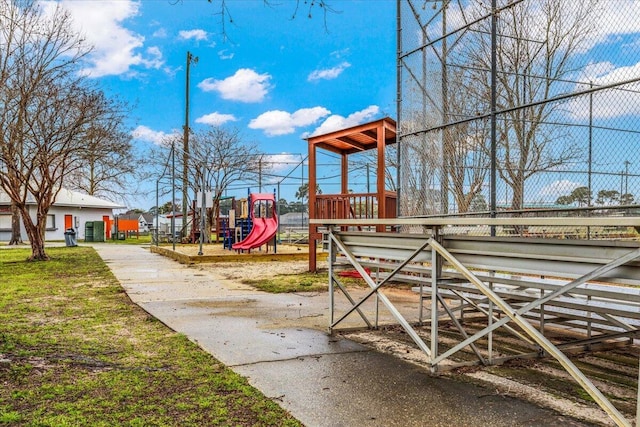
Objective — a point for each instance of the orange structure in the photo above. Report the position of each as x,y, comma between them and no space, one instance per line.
381,204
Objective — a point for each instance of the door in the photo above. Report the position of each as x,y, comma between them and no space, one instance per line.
107,225
68,222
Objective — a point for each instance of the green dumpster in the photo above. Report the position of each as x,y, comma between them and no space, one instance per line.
98,231
88,231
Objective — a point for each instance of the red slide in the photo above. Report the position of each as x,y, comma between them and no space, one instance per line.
263,229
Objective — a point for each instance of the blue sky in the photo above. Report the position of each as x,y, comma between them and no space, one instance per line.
275,78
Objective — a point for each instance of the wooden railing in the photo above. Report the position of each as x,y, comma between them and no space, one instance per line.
354,206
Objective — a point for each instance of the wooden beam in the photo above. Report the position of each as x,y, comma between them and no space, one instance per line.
355,144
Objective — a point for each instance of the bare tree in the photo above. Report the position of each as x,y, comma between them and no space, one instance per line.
367,161
46,109
220,157
420,174
466,161
538,42
109,167
301,6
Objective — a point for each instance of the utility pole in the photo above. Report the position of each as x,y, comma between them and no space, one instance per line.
185,144
260,174
626,176
203,209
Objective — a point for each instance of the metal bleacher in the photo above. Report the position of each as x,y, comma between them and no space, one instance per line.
533,288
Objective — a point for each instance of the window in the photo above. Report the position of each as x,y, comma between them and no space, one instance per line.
5,221
51,222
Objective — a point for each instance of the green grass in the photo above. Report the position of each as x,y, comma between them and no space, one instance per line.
75,351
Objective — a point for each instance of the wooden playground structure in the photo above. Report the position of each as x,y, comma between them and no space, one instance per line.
379,204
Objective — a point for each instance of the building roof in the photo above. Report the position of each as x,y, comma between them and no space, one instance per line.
72,199
357,138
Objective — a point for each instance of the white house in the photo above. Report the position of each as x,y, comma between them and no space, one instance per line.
164,223
70,209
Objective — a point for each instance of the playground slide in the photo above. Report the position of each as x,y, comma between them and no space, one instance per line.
262,231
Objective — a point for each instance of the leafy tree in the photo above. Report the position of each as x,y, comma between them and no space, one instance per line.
134,211
627,199
580,195
564,200
303,191
297,206
607,197
166,208
283,206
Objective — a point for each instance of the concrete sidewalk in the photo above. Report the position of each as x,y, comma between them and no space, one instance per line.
276,341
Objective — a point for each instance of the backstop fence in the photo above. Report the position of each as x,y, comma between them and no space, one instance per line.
512,105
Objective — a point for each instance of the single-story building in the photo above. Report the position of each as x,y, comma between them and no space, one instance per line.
71,209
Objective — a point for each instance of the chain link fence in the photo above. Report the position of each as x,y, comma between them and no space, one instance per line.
535,107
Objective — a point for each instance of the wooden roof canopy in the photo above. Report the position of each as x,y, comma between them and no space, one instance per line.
357,138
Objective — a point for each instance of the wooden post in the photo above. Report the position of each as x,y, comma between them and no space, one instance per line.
382,200
313,229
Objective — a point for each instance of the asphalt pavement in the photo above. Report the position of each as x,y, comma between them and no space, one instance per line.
279,342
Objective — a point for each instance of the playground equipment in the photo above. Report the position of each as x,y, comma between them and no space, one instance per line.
264,221
380,204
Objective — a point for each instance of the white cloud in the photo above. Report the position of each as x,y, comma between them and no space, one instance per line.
607,104
223,54
340,53
245,86
193,34
216,119
559,188
145,133
160,33
115,48
337,122
277,122
328,74
154,58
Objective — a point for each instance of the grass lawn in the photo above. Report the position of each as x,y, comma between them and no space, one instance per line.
75,351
